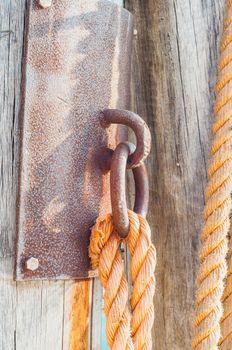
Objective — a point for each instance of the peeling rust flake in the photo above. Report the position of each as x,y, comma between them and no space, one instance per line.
76,63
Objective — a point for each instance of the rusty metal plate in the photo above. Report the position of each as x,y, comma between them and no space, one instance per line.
76,62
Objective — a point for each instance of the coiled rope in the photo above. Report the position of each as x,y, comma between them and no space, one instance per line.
127,327
213,327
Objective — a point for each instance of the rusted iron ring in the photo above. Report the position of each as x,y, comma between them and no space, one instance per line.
118,185
140,128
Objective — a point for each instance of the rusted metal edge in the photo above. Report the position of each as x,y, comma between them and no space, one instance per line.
118,188
140,128
76,63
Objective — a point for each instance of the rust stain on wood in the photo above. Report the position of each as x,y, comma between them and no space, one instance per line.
80,315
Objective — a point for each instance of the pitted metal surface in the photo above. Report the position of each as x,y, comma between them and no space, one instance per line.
119,164
76,63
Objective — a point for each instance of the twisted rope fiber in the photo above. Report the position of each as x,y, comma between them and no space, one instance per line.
226,67
214,241
226,320
126,328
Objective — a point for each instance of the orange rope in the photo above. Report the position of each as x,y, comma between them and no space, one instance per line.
126,328
225,82
214,247
226,320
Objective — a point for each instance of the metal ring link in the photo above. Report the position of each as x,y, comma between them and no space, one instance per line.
118,184
140,128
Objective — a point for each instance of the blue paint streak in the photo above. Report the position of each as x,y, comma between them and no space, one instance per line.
104,345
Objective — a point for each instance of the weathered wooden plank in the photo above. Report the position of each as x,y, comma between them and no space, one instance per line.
38,316
118,2
174,72
39,309
81,301
11,38
174,89
96,316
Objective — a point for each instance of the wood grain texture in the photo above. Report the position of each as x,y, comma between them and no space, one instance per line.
174,72
34,315
81,305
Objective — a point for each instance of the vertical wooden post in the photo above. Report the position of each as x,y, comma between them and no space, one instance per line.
34,315
174,71
175,61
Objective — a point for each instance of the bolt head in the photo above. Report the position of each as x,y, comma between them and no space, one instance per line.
32,264
45,3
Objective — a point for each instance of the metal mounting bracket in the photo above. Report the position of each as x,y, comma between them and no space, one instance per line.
76,63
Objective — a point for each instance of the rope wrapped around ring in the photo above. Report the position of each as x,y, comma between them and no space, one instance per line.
127,326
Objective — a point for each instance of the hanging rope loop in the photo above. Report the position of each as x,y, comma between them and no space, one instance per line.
128,325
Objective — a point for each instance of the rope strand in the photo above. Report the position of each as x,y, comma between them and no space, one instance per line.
126,329
143,264
214,242
226,320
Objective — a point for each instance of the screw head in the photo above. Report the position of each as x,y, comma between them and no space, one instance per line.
45,3
32,264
